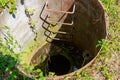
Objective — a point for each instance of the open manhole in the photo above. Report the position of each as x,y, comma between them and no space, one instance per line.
59,64
62,58
71,30
74,45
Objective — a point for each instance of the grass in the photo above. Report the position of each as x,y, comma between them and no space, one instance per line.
11,3
106,65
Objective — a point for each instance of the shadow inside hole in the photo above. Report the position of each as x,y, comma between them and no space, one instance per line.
63,58
59,64
80,47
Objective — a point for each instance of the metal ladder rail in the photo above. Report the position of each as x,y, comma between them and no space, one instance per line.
69,24
65,12
47,28
49,36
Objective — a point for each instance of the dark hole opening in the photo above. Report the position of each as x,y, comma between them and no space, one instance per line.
59,64
63,58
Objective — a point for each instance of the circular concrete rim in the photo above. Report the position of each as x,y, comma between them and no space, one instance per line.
88,64
79,70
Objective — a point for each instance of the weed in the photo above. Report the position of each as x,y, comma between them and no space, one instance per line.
8,58
111,45
6,3
105,47
86,75
29,12
32,23
105,71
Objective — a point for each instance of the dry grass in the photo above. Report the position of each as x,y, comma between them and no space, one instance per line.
107,65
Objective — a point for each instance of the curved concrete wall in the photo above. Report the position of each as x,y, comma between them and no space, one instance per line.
88,28
19,23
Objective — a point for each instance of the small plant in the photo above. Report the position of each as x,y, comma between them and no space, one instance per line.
85,75
33,27
6,3
106,73
3,3
105,47
33,24
29,12
8,58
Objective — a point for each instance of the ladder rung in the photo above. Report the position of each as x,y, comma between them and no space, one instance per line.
62,23
59,39
56,38
72,12
60,32
55,32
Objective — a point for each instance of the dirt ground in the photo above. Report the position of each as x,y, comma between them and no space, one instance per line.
107,67
112,64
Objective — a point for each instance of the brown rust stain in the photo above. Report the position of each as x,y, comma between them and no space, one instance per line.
59,5
63,5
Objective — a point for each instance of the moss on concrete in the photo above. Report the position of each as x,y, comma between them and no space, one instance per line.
35,45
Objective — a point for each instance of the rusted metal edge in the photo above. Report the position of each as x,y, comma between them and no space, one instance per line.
72,12
64,12
88,64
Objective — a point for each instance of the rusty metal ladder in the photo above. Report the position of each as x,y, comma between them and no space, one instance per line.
59,22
